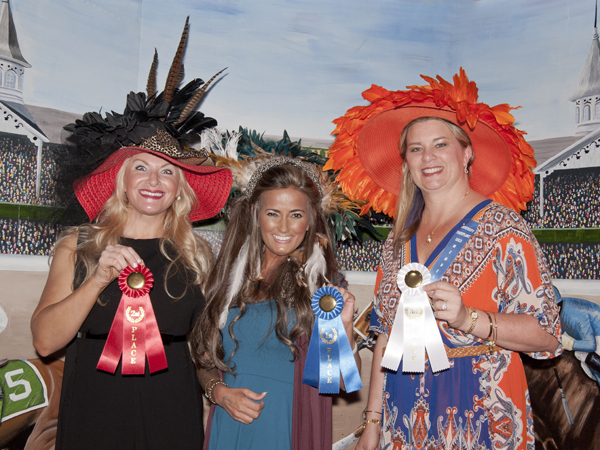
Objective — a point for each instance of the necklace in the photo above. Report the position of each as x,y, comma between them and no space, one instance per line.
433,231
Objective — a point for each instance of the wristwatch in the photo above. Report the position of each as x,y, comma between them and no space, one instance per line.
474,316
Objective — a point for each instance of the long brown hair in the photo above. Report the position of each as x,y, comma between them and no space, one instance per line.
180,245
410,203
282,285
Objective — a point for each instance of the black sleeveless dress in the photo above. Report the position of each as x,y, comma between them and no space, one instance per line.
163,410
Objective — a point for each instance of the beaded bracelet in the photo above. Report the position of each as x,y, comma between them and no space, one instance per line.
210,387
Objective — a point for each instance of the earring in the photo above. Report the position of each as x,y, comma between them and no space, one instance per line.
179,197
467,169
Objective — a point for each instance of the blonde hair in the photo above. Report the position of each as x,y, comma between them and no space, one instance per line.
180,245
410,203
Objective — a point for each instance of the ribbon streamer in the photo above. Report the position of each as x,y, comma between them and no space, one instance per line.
329,352
134,332
415,328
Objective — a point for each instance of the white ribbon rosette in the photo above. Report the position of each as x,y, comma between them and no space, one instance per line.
415,328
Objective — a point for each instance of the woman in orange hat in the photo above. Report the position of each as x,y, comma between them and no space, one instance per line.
463,285
124,290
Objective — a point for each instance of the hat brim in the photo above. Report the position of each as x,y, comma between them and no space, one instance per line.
212,185
379,140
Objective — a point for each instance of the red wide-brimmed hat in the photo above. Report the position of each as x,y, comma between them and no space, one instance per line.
366,149
212,185
164,124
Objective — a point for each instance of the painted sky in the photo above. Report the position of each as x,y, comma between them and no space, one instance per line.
299,64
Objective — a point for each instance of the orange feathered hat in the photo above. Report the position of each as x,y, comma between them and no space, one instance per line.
367,157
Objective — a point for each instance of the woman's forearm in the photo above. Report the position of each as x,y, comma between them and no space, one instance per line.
56,324
61,311
374,402
517,332
373,412
204,376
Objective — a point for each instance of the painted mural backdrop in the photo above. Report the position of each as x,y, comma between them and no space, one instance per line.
296,66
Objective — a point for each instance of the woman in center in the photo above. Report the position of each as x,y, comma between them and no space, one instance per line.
276,251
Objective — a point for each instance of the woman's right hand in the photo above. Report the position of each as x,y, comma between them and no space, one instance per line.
369,440
241,404
112,260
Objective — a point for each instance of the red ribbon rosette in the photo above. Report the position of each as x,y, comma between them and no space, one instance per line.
134,332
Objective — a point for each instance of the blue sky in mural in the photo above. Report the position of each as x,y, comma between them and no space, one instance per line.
297,65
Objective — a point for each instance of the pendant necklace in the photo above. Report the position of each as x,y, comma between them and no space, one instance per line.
432,231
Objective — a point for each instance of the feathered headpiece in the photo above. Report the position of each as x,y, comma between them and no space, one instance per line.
248,154
366,157
166,124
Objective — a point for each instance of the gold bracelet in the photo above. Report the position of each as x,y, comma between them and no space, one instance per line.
491,327
377,421
474,316
365,411
210,387
493,334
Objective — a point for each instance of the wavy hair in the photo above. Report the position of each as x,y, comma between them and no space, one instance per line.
282,284
410,204
180,245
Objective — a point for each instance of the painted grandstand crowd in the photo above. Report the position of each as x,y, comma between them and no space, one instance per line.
17,170
571,200
27,237
577,261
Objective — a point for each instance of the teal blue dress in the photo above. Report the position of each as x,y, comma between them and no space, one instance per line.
262,363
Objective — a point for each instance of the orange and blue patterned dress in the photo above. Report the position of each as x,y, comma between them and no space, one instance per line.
481,402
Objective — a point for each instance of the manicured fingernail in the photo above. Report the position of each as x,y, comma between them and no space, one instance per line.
135,265
264,393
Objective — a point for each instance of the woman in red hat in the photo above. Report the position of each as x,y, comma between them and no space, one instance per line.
463,285
143,201
125,289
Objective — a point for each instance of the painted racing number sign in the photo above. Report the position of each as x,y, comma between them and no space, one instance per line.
23,389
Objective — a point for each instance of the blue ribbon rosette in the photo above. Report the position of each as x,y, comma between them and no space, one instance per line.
329,352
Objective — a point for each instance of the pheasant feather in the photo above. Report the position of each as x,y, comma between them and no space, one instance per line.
173,78
196,98
151,84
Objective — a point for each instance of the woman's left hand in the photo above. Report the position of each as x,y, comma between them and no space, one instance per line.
347,314
448,304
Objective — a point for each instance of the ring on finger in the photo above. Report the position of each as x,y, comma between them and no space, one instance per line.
444,306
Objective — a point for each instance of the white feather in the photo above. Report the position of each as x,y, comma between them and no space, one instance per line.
236,278
211,139
315,266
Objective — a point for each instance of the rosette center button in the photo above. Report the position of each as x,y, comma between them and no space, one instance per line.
136,280
413,279
327,303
